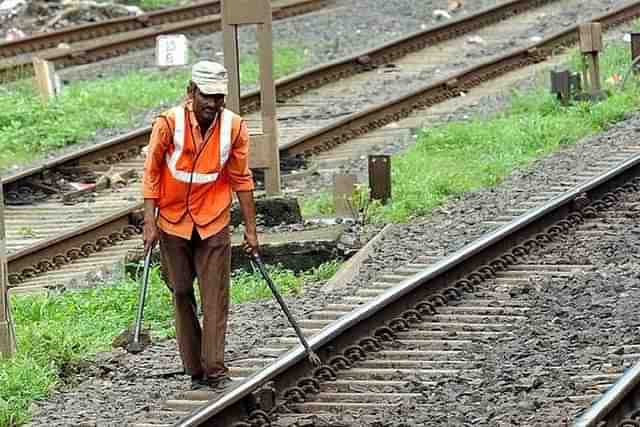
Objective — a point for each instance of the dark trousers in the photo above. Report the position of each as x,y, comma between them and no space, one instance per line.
209,260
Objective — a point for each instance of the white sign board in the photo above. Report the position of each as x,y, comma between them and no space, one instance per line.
172,50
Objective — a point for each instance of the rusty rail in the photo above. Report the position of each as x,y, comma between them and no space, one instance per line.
17,68
51,254
78,33
378,116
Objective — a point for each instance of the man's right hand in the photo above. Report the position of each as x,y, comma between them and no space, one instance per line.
150,234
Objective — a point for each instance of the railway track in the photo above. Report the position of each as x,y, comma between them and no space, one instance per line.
425,321
56,240
108,39
618,406
78,33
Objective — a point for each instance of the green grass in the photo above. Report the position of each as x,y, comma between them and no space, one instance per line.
29,129
462,157
465,156
319,205
56,332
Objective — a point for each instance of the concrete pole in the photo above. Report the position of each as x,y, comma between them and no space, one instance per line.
7,335
265,155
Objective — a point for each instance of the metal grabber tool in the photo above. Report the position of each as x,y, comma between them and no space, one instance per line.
135,344
256,261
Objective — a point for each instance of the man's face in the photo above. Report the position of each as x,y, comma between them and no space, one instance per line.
207,106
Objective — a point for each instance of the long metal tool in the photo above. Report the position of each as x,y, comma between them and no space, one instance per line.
135,345
256,261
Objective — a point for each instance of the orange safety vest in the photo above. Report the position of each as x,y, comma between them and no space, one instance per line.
195,182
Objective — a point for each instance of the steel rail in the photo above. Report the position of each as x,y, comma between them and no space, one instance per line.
610,407
309,79
387,52
450,87
77,33
81,242
103,151
284,370
14,69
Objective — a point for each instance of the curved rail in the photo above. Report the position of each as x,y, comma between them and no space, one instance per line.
479,255
78,33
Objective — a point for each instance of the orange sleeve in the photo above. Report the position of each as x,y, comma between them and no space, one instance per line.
159,141
238,163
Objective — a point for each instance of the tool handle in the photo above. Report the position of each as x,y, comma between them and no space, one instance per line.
142,297
143,292
255,258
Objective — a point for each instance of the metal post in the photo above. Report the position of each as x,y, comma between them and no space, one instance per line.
7,334
560,85
344,186
265,152
232,64
380,177
268,104
590,46
635,49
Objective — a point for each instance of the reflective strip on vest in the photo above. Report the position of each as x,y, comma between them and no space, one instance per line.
178,142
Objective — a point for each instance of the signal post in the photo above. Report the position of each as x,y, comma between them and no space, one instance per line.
7,335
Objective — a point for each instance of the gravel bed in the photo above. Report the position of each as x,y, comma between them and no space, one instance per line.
462,220
397,79
577,325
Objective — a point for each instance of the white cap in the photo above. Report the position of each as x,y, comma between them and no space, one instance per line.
210,77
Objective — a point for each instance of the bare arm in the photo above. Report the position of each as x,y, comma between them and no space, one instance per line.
150,233
242,184
248,209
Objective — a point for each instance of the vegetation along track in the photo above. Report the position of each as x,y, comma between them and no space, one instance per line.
426,319
60,238
108,39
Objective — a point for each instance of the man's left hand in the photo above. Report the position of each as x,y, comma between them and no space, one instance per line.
250,244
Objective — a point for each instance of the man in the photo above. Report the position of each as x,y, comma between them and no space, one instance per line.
198,155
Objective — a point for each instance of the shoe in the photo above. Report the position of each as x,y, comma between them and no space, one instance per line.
198,382
221,383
